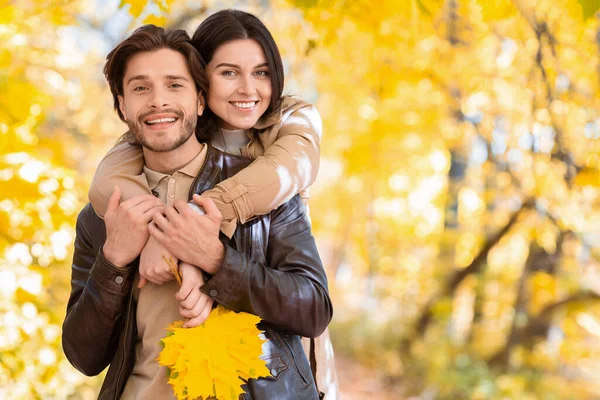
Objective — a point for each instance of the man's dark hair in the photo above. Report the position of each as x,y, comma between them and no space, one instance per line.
227,25
149,38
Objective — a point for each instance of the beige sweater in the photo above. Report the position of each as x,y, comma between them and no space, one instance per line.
285,148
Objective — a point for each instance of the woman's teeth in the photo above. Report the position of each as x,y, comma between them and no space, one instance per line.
244,105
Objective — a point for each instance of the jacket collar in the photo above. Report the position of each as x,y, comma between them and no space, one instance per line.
217,167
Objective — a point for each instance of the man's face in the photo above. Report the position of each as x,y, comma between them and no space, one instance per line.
160,102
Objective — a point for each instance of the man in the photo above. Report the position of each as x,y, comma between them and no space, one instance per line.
270,268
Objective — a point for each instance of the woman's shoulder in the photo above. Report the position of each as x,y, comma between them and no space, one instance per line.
290,105
300,112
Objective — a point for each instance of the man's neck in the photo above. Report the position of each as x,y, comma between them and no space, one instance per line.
171,161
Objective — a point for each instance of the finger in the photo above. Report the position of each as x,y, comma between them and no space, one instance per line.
196,307
162,223
191,300
153,278
113,200
200,304
156,233
143,282
209,206
164,276
194,312
200,319
148,215
171,214
146,205
184,291
135,200
181,206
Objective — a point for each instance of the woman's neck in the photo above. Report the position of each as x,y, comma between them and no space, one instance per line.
230,140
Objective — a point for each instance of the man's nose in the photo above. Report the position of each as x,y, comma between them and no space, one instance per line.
158,99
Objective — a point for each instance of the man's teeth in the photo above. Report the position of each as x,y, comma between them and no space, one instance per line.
160,120
244,105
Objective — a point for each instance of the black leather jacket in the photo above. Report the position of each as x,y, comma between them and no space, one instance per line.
271,269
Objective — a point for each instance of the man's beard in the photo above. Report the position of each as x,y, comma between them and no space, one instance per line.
188,127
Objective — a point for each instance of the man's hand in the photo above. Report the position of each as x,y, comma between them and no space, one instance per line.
153,267
127,226
193,304
191,237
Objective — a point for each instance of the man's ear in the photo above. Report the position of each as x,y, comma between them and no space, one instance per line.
122,106
201,103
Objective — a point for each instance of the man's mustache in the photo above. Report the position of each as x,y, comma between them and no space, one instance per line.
178,113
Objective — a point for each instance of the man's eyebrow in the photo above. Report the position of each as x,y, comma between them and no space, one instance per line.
137,78
177,77
145,77
237,66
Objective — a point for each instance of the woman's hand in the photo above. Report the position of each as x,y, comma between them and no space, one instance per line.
193,304
153,264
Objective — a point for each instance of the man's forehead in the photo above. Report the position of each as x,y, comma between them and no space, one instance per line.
159,64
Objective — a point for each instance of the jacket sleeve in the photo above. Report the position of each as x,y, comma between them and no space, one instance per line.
99,293
122,166
290,292
290,164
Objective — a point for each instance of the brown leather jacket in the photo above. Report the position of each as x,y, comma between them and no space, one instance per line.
271,269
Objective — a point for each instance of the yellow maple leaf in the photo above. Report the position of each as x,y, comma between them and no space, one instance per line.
155,20
135,6
497,10
588,177
210,359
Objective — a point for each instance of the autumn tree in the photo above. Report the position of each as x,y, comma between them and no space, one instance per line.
462,165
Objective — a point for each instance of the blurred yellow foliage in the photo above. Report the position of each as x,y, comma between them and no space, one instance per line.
456,206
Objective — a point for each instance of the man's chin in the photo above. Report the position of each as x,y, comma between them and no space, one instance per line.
160,147
163,144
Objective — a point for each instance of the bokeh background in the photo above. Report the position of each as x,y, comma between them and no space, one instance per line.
456,208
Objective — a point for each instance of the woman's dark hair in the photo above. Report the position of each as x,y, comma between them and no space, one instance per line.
227,25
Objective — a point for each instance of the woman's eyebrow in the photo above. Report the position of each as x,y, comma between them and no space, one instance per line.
238,67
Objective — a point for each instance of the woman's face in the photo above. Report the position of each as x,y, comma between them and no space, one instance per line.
240,87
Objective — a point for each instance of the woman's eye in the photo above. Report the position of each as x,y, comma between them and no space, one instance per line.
228,73
262,73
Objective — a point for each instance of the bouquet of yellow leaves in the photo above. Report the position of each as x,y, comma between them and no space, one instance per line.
207,361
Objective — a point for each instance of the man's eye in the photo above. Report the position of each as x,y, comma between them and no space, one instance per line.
176,85
139,88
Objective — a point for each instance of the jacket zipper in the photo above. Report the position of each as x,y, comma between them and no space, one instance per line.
124,344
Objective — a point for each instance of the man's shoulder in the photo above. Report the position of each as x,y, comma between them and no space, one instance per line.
90,223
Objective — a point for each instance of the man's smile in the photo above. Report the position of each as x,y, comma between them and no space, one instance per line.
160,121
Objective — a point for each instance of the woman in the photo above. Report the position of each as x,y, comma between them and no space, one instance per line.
245,114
